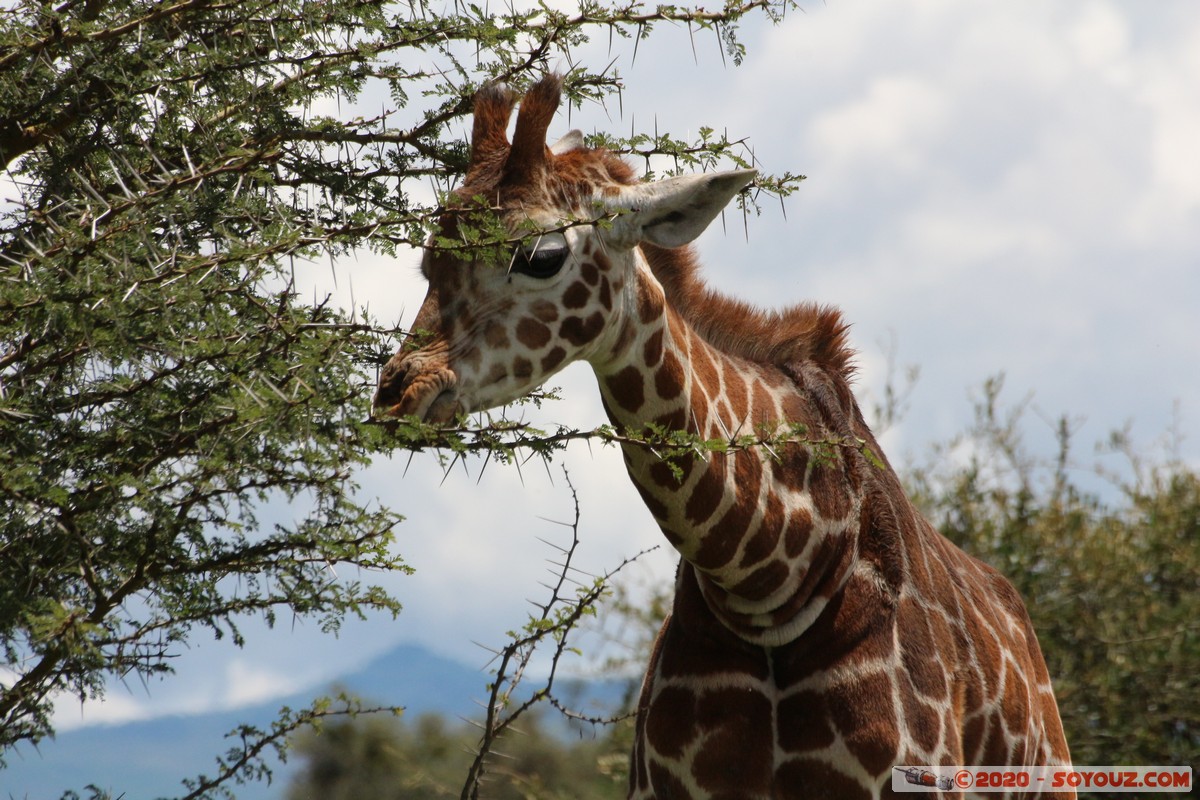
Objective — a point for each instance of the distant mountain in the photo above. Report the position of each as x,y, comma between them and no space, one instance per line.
148,759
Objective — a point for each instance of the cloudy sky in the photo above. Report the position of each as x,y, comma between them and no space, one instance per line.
997,186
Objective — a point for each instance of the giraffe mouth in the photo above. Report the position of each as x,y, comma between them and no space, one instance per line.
430,396
444,408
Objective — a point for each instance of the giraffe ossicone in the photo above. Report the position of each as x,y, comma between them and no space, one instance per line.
822,631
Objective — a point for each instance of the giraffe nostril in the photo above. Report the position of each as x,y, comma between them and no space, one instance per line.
392,380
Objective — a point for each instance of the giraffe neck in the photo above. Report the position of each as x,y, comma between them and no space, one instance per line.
770,533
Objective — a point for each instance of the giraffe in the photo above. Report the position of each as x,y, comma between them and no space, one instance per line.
822,631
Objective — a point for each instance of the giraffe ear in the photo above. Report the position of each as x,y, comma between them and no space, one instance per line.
674,211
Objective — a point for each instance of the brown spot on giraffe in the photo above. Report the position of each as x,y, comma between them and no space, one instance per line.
657,509
552,360
579,331
576,296
649,303
765,409
796,532
498,373
763,582
716,550
533,334
652,350
663,476
822,631
672,704
725,713
605,266
924,721
674,420
544,311
801,778
605,294
628,388
827,485
733,381
590,273
869,729
706,495
496,335
790,470
760,546
805,722
668,378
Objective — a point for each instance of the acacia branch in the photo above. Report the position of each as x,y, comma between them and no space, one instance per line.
245,761
506,436
555,621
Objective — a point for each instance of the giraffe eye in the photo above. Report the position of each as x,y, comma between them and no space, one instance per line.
542,258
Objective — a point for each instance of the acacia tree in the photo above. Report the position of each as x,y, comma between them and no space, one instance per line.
161,379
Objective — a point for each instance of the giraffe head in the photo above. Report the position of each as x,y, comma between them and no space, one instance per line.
493,327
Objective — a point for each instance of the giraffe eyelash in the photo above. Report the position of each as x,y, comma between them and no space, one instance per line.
542,260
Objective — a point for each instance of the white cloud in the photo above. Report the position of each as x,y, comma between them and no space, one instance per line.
886,126
212,676
248,683
1099,38
116,708
1166,92
948,241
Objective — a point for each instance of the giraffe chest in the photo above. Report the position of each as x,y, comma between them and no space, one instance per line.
743,733
831,713
722,718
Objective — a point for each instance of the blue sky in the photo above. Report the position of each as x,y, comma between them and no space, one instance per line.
997,186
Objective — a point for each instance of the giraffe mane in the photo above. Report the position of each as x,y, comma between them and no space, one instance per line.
802,332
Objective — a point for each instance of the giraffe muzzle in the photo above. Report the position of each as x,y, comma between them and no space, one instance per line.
408,387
